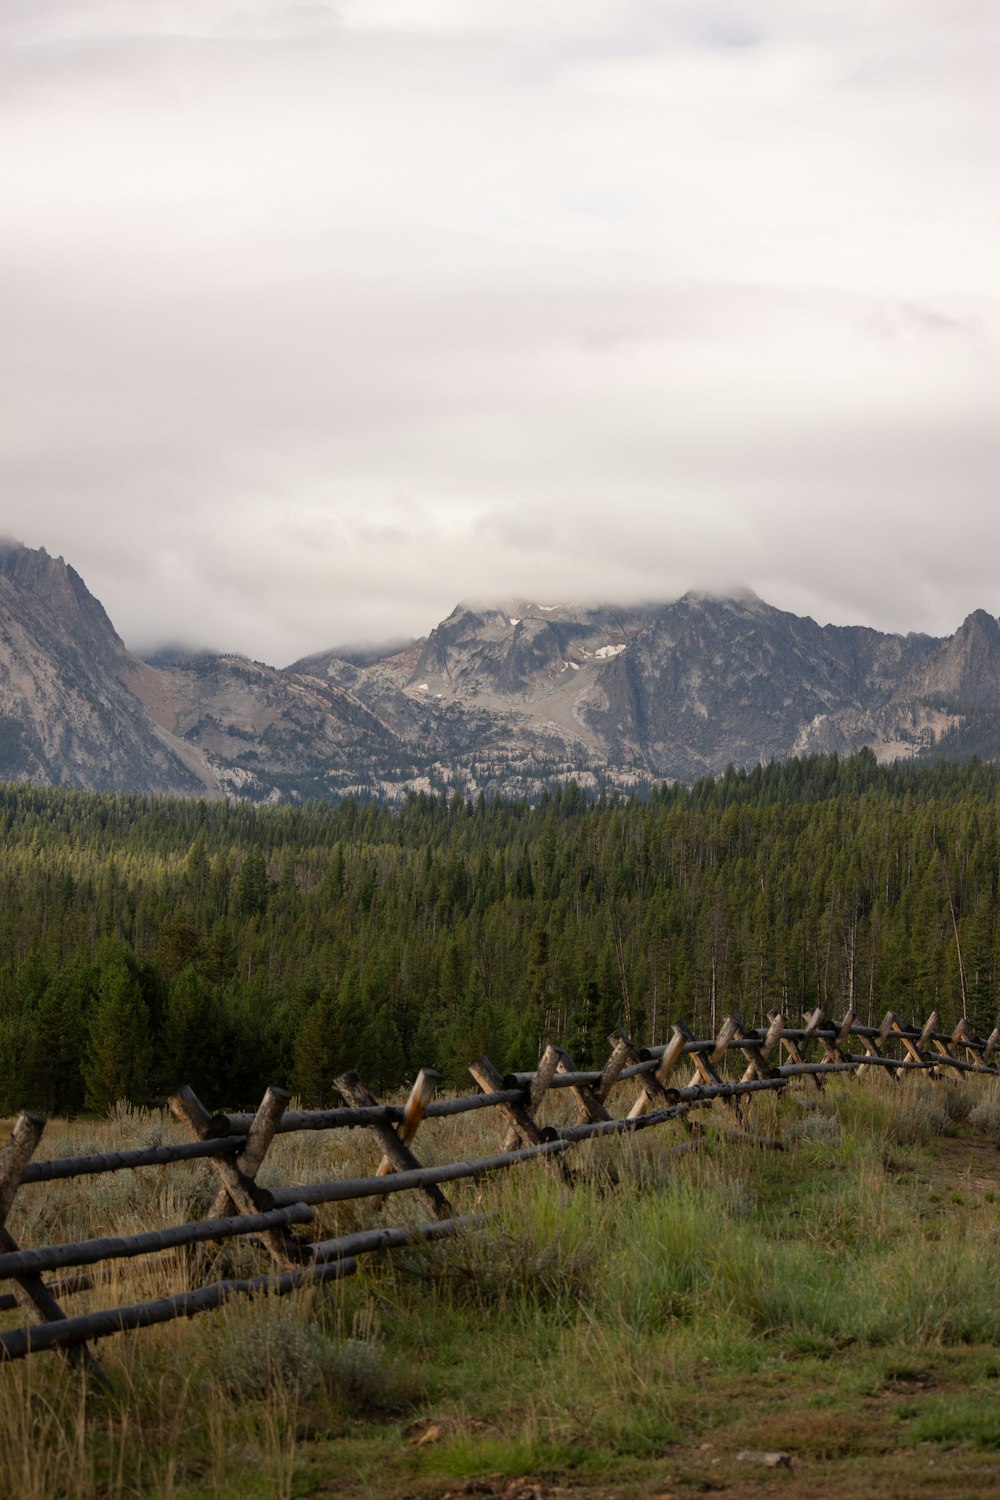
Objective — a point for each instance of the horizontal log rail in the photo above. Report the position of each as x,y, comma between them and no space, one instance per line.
234,1147
126,1247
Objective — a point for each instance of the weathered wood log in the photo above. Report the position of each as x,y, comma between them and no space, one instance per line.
125,1247
548,1063
414,1111
398,1153
15,1155
98,1325
591,1107
974,1047
514,1111
343,1189
874,1045
30,1293
258,1140
912,1048
708,1092
626,1054
365,1241
670,1055
66,1286
389,1114
808,1070
651,1090
60,1167
666,1059
682,1100
870,1060
758,1066
263,1130
791,1041
946,1045
704,1068
565,1078
833,1046
590,1129
623,1052
927,1030
728,1033
874,1056
244,1194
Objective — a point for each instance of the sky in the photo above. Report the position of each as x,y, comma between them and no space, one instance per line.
316,318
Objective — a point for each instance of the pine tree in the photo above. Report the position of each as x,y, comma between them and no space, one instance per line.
189,1040
119,1054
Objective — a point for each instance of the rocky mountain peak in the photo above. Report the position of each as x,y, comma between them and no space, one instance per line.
49,583
68,712
980,621
500,696
962,671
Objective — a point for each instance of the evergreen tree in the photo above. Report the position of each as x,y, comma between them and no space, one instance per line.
190,1037
118,1060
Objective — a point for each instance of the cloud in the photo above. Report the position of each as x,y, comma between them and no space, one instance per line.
319,317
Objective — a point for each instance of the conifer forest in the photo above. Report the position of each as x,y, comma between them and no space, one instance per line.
145,942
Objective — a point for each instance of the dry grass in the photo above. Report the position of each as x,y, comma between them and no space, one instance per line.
583,1331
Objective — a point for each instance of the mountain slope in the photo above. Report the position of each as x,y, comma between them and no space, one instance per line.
68,715
498,697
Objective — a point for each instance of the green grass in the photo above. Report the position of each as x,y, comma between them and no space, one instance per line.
630,1335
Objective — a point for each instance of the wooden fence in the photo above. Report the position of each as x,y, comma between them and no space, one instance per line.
651,1088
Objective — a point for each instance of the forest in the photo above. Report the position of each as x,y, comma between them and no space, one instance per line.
145,942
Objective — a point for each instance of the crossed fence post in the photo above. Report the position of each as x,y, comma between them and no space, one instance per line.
31,1294
397,1156
238,1178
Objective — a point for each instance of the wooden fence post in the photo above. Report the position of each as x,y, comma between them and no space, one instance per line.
915,1049
947,1050
591,1107
421,1095
33,1297
540,1083
873,1046
757,1048
672,1053
395,1150
705,1070
518,1114
236,1179
833,1051
796,1049
653,1094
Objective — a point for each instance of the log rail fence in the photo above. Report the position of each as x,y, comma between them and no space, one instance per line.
666,1083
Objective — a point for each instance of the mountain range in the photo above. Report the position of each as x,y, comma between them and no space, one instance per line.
497,698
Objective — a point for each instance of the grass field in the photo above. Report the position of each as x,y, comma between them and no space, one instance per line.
651,1332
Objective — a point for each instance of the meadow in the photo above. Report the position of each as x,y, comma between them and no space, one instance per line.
653,1330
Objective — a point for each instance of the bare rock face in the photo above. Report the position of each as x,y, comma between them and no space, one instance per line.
67,715
502,697
963,669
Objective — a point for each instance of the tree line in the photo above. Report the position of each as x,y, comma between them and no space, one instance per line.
145,942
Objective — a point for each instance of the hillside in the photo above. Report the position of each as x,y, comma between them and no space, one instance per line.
283,944
497,698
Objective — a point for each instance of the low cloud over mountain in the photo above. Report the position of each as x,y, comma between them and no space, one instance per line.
505,697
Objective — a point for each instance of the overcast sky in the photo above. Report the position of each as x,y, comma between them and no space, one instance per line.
316,318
